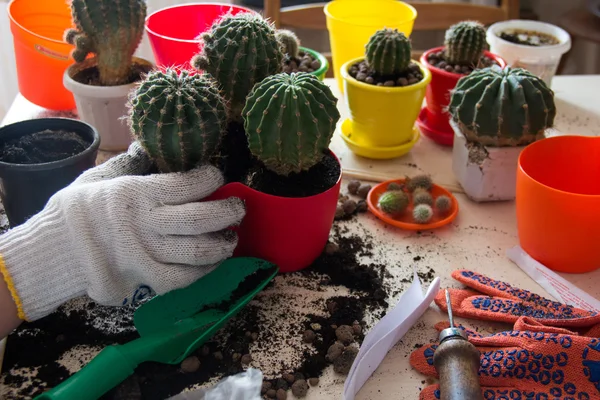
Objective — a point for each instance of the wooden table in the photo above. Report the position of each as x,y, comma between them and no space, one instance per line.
477,239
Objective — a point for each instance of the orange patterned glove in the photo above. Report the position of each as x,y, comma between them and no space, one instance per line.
531,362
493,300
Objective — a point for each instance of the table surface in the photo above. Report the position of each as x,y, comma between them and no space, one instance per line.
477,239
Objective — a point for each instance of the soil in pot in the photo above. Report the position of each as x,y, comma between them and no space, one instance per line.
305,62
42,147
91,75
438,60
362,73
528,38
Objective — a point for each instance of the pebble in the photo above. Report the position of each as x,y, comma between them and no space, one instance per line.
412,81
343,198
402,81
205,351
331,306
271,393
315,64
289,378
361,76
248,334
298,376
389,83
265,387
349,206
309,336
334,351
300,388
363,190
246,359
345,334
313,382
362,206
357,329
353,186
218,356
339,211
190,364
281,384
370,80
343,363
281,394
254,336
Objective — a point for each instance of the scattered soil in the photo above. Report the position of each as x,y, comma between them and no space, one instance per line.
361,72
528,38
438,60
91,75
42,147
304,63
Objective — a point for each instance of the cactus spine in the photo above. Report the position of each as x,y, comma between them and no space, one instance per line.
465,43
178,119
112,30
289,121
388,52
239,52
502,107
289,41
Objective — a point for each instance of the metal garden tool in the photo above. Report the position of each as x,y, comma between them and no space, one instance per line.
171,326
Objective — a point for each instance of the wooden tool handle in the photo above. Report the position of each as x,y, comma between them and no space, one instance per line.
457,363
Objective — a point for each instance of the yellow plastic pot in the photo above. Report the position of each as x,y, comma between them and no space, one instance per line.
383,117
351,23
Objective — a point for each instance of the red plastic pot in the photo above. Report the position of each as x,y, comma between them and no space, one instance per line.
173,31
288,231
434,120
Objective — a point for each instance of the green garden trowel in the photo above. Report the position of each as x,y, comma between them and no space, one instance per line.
171,327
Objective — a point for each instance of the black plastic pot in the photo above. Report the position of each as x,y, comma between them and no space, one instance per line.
26,188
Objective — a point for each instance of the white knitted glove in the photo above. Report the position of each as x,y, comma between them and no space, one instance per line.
119,238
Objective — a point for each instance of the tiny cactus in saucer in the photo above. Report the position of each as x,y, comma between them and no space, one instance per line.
395,186
443,204
388,52
393,202
289,41
422,196
422,213
179,119
419,181
465,43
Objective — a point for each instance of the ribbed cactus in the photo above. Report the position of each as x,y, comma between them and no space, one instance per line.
179,119
110,29
502,107
289,41
465,43
388,52
289,121
240,51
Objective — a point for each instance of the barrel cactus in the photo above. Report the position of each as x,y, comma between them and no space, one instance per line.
388,52
289,121
239,51
502,107
289,41
110,29
393,202
179,119
465,43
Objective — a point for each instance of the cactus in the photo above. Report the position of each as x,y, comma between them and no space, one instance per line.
395,186
110,29
240,51
422,213
465,43
502,107
388,52
289,41
393,202
419,181
443,204
289,121
179,119
422,196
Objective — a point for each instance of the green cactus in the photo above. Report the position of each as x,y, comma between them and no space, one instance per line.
502,107
393,202
240,51
388,52
179,119
289,41
422,196
465,43
289,121
443,204
110,29
422,213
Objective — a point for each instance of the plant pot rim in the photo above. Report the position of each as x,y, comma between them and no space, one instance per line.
324,63
53,164
564,37
447,74
385,89
147,21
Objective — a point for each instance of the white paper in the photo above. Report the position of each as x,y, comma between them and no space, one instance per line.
387,332
558,287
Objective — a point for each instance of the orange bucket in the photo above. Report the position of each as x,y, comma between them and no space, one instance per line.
41,54
558,202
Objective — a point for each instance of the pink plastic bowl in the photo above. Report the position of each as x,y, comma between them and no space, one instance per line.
174,31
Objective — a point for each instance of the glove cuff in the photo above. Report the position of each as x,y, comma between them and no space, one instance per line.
38,265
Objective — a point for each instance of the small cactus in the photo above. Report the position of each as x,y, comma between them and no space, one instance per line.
443,204
289,41
393,202
422,213
419,181
502,107
178,119
110,29
422,196
240,51
395,186
289,121
465,43
388,52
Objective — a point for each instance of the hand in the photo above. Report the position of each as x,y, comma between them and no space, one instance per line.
530,362
118,236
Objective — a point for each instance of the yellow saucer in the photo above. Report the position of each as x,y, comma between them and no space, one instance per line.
358,147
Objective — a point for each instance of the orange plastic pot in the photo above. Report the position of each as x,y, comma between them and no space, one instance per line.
41,54
288,231
558,202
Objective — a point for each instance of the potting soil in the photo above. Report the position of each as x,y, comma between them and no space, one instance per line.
42,147
304,63
529,38
363,73
91,76
438,60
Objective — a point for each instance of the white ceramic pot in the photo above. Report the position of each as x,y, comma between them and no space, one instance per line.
541,61
485,173
103,107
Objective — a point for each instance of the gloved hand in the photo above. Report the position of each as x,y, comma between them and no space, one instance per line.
493,300
530,362
118,235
